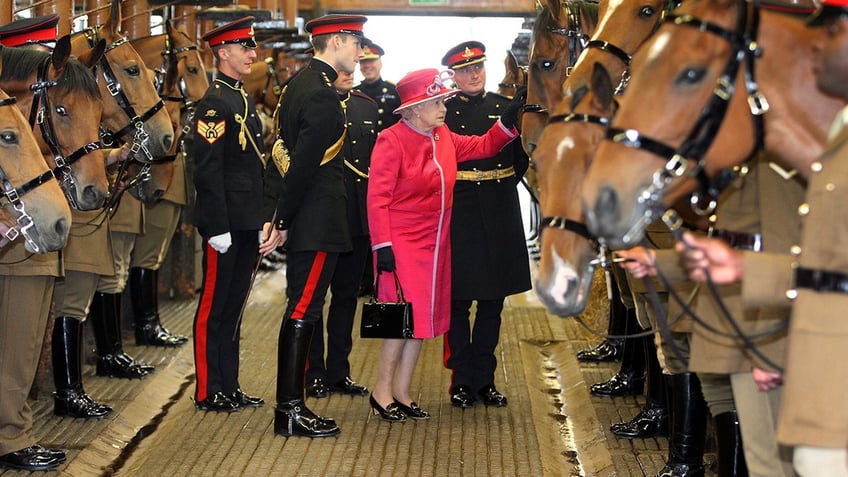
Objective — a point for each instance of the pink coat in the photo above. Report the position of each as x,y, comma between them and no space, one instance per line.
410,195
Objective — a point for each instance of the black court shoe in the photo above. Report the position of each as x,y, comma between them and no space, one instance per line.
390,413
412,411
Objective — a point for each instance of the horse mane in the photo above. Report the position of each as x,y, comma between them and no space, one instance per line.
548,20
75,76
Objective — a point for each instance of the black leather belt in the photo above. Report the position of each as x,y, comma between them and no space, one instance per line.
740,240
821,280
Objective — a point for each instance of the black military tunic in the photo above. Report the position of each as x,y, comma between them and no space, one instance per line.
361,114
488,250
310,201
386,95
228,179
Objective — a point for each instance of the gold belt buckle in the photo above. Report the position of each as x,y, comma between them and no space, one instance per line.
479,175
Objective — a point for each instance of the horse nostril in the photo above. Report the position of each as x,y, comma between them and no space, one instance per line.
607,200
61,228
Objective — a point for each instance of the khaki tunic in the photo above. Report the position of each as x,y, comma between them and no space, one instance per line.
813,412
89,248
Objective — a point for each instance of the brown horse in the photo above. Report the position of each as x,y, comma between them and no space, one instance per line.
566,147
32,204
559,36
515,76
132,108
680,109
265,83
63,103
181,81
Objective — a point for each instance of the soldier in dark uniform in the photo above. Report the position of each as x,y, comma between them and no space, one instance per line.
384,92
306,206
228,153
361,115
489,255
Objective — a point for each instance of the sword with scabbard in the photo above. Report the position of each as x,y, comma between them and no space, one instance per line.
252,279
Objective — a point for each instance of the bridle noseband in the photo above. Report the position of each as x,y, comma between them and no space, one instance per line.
25,224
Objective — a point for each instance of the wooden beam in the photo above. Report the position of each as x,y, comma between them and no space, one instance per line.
425,7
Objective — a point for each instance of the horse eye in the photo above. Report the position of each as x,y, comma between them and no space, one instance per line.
547,65
691,75
133,70
61,111
647,11
9,137
192,69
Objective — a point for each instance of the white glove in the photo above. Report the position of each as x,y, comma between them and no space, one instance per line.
221,243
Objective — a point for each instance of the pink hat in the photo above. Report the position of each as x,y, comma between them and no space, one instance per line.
423,85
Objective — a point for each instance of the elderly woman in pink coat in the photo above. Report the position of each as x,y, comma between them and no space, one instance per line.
410,194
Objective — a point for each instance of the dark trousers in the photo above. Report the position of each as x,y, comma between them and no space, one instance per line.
226,281
308,276
470,354
344,288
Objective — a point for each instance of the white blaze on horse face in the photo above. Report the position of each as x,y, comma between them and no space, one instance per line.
564,146
659,44
564,277
611,8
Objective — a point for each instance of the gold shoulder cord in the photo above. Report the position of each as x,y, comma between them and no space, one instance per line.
241,119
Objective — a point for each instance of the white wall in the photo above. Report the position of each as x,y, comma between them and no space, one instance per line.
416,42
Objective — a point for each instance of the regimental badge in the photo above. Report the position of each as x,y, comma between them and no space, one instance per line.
211,131
467,53
211,113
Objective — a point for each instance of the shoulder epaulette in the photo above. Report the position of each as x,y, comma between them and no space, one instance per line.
362,95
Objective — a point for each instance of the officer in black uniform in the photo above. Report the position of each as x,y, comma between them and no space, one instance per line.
228,153
488,250
306,205
384,92
361,115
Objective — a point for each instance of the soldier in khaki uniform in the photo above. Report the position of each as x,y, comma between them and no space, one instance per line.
813,417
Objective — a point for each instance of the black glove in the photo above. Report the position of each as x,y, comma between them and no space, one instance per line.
510,114
385,260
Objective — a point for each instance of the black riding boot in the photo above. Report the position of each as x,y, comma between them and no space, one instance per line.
688,428
630,378
291,416
105,316
145,305
652,420
609,349
731,459
70,398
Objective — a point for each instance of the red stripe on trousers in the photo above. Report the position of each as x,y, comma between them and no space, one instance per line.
201,328
309,288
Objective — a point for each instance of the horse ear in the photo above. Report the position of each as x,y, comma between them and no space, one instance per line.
555,7
115,17
91,57
511,62
602,88
168,28
61,53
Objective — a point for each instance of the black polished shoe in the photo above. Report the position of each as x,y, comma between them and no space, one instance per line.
76,403
293,418
390,413
491,396
461,396
412,411
154,334
649,422
349,386
57,453
607,350
32,458
620,385
317,388
218,402
682,470
122,366
246,400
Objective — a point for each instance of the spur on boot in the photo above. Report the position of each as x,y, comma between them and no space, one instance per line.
622,384
607,350
412,411
390,413
295,419
649,422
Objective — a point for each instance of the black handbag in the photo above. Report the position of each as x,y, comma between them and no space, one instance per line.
386,319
